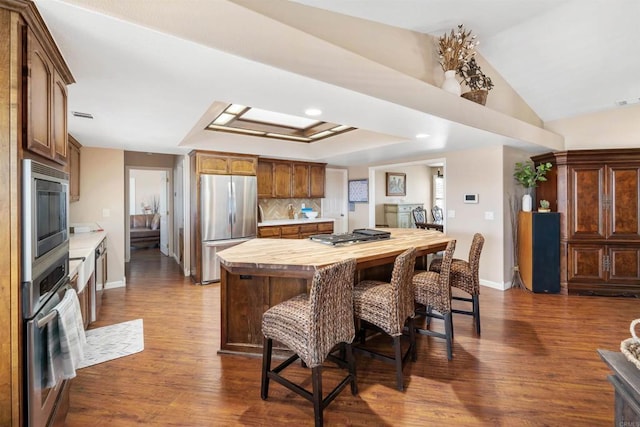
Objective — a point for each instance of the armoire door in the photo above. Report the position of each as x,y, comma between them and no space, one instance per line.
622,202
587,193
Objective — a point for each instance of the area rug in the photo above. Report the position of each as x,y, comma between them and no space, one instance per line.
112,342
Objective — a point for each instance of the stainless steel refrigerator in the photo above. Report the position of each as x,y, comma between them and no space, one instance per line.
228,206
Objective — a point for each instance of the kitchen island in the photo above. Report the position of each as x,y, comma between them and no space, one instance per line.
260,273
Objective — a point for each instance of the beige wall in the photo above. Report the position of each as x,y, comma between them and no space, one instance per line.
619,128
149,160
147,188
359,217
418,188
102,188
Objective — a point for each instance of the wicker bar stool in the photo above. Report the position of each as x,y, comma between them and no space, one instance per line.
387,307
311,326
464,276
433,292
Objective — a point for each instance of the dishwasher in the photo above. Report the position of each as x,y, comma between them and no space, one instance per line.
100,279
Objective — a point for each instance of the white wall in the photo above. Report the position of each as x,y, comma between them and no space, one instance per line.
147,187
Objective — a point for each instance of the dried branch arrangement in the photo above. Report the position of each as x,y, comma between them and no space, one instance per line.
456,48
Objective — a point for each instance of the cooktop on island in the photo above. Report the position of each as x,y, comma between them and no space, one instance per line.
357,236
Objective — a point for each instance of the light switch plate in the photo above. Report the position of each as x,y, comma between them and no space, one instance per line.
106,213
488,215
451,214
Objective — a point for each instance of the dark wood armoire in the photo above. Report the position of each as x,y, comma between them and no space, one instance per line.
596,193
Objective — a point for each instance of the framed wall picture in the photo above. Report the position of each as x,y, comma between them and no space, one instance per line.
396,184
359,191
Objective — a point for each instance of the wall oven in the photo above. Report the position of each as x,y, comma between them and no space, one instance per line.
45,231
45,270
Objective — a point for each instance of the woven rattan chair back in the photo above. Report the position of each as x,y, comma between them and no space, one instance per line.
331,310
402,284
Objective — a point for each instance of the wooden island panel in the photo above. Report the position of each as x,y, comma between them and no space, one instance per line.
261,273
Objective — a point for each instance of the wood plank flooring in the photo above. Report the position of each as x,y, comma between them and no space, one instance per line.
535,364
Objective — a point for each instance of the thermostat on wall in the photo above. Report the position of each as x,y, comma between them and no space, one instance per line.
471,198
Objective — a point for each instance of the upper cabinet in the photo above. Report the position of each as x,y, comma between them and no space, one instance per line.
74,169
216,163
46,103
283,179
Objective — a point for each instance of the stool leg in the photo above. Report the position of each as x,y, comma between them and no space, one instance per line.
266,367
476,311
316,379
398,352
351,362
448,328
412,339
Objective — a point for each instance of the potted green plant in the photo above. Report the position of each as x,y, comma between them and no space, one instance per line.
478,83
528,175
544,206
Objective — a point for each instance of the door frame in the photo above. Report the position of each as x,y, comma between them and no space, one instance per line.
170,207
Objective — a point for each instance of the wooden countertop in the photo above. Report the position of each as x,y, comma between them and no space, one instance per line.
306,255
276,222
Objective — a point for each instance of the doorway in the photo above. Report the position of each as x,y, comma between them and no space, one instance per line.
148,205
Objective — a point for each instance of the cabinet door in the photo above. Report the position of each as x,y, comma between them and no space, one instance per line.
265,180
586,211
242,165
269,232
282,179
59,119
74,172
624,264
300,180
38,92
586,263
213,164
404,220
316,180
622,202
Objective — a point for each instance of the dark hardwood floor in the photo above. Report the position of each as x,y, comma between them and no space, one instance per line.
535,364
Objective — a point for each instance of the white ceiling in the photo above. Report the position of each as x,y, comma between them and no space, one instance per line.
151,72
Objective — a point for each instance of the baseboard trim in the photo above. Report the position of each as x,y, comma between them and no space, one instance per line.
116,284
495,285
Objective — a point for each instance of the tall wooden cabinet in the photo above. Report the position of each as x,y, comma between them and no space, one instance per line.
32,105
596,192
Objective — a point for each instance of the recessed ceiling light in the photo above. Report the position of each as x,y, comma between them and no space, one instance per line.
422,135
313,112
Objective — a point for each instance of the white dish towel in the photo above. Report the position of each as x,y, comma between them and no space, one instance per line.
66,339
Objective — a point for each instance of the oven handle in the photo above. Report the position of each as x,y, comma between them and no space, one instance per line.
46,319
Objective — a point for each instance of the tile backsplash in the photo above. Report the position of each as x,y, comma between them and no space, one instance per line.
277,208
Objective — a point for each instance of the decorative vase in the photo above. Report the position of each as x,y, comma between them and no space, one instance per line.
526,202
477,96
450,83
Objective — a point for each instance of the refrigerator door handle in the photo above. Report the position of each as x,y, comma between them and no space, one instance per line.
233,202
230,202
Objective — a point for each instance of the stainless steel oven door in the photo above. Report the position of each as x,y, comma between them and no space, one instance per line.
41,397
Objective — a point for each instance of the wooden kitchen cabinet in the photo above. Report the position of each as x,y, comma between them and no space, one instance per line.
300,180
74,169
284,179
265,179
317,179
282,172
46,102
295,231
216,163
596,193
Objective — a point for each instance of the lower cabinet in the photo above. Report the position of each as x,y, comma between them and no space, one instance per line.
604,269
295,231
399,215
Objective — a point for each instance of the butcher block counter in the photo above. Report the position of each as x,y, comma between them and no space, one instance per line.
260,273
